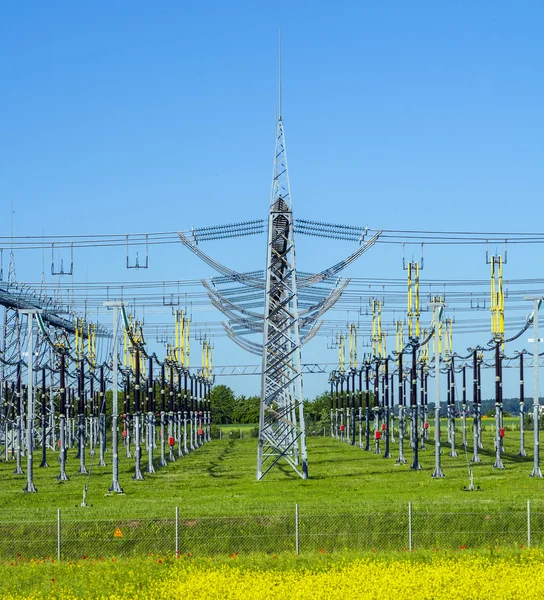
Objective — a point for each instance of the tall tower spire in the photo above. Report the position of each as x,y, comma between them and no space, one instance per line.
12,278
282,431
279,79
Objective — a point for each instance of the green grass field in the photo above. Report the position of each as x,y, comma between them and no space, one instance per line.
219,479
353,501
237,431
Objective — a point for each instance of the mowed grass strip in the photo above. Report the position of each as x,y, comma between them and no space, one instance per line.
219,479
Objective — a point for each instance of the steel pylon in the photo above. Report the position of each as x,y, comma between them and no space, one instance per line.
282,433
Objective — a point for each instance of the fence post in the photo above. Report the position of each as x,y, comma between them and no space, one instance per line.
296,530
177,531
58,534
528,523
410,526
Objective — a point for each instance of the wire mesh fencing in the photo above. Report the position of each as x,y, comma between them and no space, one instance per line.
73,535
475,529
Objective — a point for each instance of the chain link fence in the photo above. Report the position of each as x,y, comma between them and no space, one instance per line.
72,534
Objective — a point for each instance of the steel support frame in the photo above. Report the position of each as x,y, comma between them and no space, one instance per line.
282,432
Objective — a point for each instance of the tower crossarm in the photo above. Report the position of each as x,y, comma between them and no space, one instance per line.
322,275
244,343
230,230
319,309
244,326
223,279
310,334
21,302
220,302
349,233
220,268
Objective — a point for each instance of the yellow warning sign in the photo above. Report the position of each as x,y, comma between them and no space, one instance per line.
118,533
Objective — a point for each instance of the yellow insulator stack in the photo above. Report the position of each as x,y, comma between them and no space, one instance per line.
383,347
202,369
448,338
207,366
60,342
341,341
353,346
170,353
186,349
399,336
414,311
209,363
438,299
399,340
133,336
179,352
126,344
424,352
179,338
497,299
138,337
376,327
141,341
80,339
91,344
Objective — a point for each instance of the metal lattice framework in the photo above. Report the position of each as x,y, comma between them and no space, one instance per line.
282,431
55,367
291,303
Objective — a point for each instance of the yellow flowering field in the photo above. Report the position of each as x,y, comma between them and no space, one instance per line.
429,576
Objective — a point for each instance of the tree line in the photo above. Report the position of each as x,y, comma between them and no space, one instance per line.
227,408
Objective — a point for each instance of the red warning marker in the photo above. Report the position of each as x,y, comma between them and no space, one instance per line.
171,441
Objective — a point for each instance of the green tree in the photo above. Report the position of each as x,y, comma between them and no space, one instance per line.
223,403
247,409
317,412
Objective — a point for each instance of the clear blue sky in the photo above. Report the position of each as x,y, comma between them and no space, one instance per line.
153,116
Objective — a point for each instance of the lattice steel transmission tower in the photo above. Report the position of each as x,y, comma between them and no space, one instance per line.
292,305
282,432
